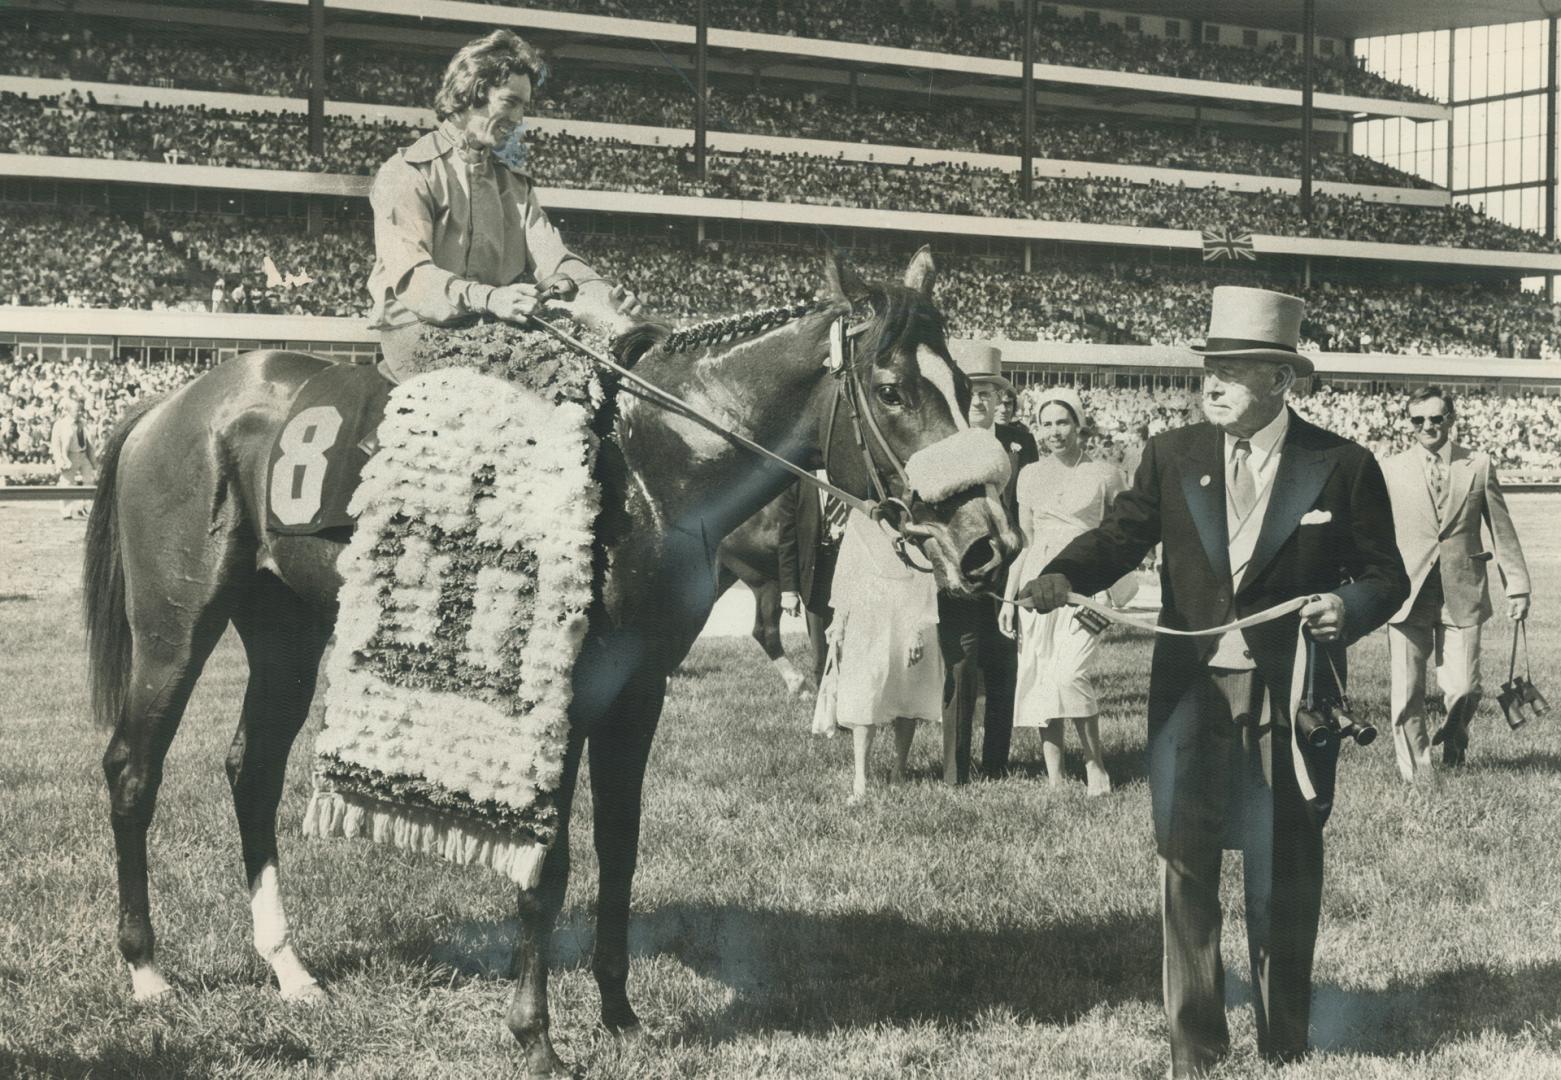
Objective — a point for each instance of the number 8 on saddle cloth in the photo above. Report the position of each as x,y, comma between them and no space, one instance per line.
319,453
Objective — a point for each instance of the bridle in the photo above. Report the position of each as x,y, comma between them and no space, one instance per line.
886,508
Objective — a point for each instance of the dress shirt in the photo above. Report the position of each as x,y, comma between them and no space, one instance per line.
1263,463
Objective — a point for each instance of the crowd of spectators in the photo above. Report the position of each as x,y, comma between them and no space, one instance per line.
665,99
34,392
979,29
1521,432
125,52
75,125
80,257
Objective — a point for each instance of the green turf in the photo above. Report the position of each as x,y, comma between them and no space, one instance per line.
994,930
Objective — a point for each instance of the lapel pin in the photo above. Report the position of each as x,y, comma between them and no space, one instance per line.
1203,481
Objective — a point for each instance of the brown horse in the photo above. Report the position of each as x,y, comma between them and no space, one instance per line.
178,549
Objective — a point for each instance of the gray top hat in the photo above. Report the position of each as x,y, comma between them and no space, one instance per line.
1255,324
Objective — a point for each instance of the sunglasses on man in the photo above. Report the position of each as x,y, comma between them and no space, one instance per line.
1436,421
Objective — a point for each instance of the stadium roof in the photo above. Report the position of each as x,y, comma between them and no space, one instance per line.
1352,18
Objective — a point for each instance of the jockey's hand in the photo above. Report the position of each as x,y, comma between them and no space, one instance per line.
1046,593
513,303
791,603
1007,620
1324,617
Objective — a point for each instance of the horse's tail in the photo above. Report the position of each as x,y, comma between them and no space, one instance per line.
103,581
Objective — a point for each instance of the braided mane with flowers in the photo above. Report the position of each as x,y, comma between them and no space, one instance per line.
463,607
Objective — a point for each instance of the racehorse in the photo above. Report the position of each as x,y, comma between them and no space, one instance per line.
177,549
750,554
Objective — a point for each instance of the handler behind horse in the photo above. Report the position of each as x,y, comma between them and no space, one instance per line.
456,226
1254,508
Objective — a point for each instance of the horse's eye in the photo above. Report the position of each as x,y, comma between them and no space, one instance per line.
889,394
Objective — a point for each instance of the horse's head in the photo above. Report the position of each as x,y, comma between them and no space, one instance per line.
904,400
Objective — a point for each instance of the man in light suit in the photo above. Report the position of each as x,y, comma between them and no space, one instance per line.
1441,492
1254,508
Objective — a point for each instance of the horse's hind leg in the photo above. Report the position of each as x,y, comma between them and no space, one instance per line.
284,639
165,662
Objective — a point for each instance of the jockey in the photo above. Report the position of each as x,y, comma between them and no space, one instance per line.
456,226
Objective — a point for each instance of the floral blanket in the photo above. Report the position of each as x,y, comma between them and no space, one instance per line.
463,609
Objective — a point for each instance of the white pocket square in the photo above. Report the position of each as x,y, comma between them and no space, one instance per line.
1316,517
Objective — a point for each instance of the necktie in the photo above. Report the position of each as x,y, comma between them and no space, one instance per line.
1243,491
485,255
1438,478
835,514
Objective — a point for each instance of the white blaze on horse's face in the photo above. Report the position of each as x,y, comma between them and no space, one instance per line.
940,374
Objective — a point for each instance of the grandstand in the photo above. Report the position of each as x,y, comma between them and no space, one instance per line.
1084,185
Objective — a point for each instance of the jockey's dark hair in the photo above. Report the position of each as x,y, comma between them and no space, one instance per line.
1426,393
482,64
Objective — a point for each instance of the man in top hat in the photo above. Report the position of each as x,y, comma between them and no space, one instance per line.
1441,493
1254,507
967,628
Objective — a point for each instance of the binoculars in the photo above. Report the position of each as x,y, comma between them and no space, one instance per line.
1322,723
1325,717
1520,699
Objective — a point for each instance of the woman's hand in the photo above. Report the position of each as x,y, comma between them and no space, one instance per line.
515,303
1008,620
914,654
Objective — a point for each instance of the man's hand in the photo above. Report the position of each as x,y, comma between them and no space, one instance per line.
626,302
1046,593
513,303
1517,607
1007,620
1324,617
791,603
608,311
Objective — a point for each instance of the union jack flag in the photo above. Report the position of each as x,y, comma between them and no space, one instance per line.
1227,244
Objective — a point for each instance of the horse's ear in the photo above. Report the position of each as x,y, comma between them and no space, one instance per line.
844,283
921,273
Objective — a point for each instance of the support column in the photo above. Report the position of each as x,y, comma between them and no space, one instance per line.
1452,65
1309,47
701,84
1550,140
1027,142
317,76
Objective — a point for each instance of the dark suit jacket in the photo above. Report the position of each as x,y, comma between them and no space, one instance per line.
1022,450
1178,499
801,527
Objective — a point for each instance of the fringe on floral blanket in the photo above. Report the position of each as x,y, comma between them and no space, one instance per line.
463,608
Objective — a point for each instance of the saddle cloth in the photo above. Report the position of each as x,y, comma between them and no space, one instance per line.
318,456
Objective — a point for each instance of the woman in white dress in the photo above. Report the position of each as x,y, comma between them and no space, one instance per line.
1062,495
884,665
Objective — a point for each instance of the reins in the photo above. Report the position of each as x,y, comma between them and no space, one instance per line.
838,332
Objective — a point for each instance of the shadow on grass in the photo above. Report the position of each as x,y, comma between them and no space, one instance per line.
163,1060
1449,1007
1533,761
799,971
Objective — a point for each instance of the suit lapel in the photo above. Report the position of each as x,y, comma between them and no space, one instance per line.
1460,478
1301,475
1203,486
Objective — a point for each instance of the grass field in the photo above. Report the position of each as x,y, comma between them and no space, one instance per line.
995,930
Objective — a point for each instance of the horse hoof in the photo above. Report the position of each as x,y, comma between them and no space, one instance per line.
542,1063
149,986
309,993
621,1021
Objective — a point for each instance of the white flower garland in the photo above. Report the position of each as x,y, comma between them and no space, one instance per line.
478,763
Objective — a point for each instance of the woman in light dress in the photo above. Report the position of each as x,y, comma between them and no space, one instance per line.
884,665
1062,495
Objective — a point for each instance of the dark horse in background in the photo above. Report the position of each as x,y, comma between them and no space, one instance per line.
178,549
751,554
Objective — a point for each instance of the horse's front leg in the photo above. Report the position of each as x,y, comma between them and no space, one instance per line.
538,910
619,752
